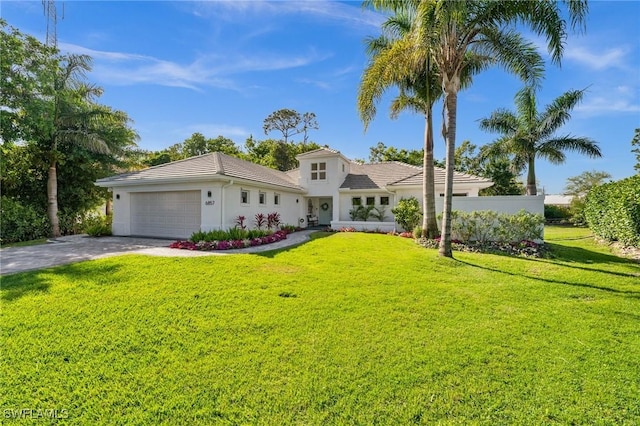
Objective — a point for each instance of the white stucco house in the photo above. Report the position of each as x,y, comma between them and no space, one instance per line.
210,191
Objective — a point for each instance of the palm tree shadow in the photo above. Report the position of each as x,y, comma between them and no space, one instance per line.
626,293
576,257
24,284
273,253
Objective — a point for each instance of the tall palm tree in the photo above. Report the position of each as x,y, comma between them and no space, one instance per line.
419,90
454,29
528,134
70,117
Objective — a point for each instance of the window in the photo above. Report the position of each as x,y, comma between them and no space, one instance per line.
262,198
457,194
276,199
318,171
384,201
244,196
356,201
371,201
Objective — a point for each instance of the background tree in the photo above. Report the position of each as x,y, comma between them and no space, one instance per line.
309,122
494,167
54,134
579,186
27,70
197,144
286,121
636,142
381,153
276,154
528,134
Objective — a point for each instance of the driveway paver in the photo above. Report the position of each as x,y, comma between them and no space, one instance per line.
77,248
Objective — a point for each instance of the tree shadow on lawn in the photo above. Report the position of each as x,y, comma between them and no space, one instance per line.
626,293
16,286
572,255
312,237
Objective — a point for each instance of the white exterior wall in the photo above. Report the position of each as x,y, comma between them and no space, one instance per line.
290,210
218,211
337,171
346,206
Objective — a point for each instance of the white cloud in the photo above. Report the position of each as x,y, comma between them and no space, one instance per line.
121,68
606,105
598,60
349,14
214,130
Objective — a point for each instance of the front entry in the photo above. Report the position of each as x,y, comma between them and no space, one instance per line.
325,214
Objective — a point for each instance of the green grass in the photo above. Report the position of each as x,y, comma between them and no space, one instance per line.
25,243
349,328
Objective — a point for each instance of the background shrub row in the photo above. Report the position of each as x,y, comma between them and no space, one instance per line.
612,211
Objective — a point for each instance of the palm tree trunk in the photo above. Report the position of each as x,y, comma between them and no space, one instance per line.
52,196
451,103
531,178
429,223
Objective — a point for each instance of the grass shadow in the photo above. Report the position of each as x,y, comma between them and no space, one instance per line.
31,283
570,256
627,293
16,286
312,237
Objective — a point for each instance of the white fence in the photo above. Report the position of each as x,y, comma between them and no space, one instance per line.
509,204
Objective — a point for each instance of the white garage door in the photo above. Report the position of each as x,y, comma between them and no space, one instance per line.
173,214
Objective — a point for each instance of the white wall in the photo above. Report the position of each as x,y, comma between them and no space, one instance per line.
346,206
290,210
218,211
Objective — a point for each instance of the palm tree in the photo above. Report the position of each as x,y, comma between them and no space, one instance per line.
71,117
451,30
528,134
419,90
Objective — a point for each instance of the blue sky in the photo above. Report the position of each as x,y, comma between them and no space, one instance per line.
220,68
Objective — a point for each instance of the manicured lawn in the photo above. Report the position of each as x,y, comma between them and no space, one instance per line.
346,329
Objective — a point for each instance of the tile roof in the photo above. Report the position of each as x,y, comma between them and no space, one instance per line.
211,165
379,175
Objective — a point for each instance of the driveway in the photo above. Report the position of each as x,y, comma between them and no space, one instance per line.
76,248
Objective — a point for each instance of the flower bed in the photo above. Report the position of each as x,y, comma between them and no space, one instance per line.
523,248
230,244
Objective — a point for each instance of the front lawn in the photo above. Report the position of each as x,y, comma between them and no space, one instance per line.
349,328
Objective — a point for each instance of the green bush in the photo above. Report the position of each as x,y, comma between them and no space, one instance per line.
612,211
556,212
97,226
230,234
486,225
407,213
21,222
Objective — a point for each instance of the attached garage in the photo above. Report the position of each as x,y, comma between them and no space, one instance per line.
169,214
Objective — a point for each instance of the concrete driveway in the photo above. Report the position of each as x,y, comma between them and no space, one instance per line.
76,248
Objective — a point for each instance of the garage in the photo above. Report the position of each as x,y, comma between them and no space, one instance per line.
171,214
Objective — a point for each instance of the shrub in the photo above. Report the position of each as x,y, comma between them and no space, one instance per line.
612,211
553,212
407,213
260,220
486,225
21,222
97,226
379,213
417,232
273,220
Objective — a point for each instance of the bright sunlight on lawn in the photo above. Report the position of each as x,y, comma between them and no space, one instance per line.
349,328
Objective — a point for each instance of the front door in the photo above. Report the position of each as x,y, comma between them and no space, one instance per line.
326,211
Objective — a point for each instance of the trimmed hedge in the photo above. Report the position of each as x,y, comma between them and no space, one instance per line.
21,222
612,211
